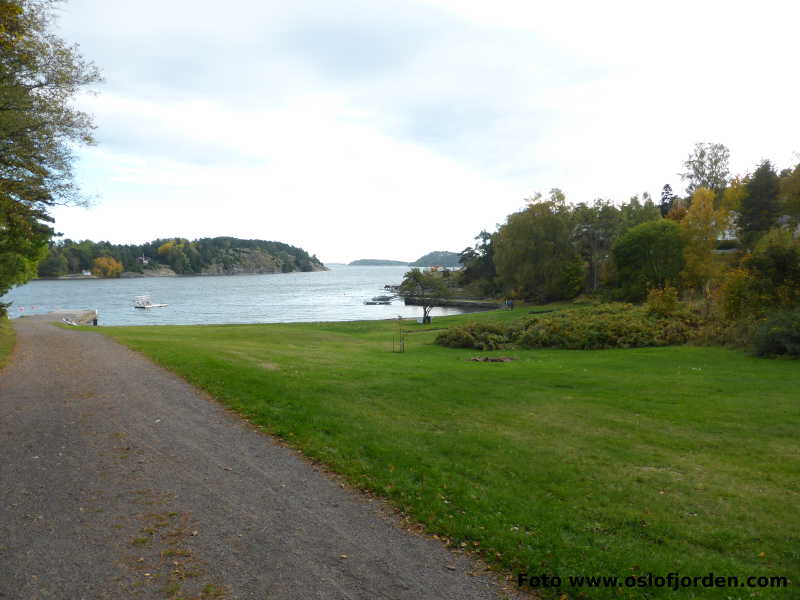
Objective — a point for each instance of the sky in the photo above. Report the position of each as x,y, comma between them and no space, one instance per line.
389,128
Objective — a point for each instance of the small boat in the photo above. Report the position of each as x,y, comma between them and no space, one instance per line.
145,302
374,302
382,298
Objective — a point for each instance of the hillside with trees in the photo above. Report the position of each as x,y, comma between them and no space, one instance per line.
377,262
440,258
206,256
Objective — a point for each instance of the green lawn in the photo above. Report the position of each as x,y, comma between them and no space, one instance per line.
615,462
7,339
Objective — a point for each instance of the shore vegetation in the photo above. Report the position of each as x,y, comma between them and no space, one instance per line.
7,340
205,256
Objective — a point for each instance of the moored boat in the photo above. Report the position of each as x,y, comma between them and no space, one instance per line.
145,302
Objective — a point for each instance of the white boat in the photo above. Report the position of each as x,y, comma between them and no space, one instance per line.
145,302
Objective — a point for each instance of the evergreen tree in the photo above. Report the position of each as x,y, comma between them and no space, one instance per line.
666,199
760,207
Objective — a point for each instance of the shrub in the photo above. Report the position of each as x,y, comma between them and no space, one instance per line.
482,336
779,335
586,328
736,296
608,326
662,301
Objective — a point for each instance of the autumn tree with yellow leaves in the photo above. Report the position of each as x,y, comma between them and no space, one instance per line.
702,226
105,266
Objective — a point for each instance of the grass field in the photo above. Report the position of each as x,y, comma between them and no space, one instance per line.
615,462
7,339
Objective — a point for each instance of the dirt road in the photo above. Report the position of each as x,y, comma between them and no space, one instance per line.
119,480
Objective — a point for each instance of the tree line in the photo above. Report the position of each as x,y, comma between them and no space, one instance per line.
551,250
181,255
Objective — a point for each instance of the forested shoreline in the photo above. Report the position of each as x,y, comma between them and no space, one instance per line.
205,256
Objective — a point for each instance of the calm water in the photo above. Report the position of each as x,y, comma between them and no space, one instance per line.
335,295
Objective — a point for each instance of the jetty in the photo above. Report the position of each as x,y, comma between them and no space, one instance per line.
76,316
452,302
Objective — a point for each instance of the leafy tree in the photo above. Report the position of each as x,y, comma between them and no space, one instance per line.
760,208
39,128
701,227
789,195
534,255
55,265
105,266
775,268
733,195
648,256
636,212
768,279
478,263
678,210
707,166
426,288
594,231
23,243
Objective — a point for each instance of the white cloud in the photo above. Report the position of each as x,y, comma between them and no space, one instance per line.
390,129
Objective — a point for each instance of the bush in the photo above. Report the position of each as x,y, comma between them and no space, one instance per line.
736,295
608,326
586,328
482,336
779,335
663,301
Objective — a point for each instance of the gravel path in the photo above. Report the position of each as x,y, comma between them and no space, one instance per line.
119,480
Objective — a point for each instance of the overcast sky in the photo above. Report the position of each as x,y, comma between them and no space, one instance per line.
389,128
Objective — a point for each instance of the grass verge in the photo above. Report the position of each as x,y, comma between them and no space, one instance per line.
568,463
7,339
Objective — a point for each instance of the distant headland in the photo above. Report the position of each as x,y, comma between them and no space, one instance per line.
377,262
439,258
68,259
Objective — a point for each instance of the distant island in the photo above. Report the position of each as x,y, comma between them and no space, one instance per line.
440,258
377,262
174,256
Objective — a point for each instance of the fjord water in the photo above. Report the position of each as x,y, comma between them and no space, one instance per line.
335,295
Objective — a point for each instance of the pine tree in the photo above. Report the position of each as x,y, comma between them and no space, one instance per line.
760,208
666,199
